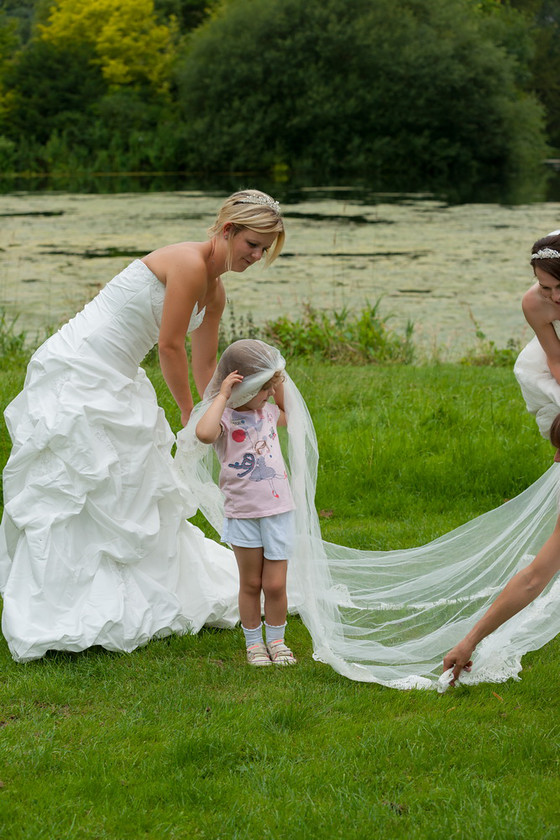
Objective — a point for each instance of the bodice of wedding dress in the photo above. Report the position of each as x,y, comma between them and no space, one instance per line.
540,389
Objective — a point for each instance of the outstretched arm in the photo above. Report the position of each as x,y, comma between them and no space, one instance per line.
520,591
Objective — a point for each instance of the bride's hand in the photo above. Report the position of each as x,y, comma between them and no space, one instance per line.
458,658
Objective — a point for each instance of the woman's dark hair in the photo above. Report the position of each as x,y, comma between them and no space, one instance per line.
549,264
554,433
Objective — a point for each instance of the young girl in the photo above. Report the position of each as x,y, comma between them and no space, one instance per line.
241,424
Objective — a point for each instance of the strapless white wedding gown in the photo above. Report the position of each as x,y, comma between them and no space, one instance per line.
95,548
540,389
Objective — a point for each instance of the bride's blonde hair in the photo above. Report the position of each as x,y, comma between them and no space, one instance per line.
252,210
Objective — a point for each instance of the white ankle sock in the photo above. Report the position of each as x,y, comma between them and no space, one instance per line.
274,633
253,635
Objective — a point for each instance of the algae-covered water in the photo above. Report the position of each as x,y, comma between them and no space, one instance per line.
444,267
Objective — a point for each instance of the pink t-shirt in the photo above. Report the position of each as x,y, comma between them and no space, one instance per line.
253,475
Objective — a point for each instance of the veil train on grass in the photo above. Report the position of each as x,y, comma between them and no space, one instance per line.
389,617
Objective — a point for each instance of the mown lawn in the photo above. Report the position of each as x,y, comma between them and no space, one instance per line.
182,740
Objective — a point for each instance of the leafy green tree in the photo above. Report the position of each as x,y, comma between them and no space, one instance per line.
546,69
188,13
9,41
430,87
48,89
21,14
544,22
365,85
89,89
127,42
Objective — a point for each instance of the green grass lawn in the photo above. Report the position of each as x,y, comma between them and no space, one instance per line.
181,739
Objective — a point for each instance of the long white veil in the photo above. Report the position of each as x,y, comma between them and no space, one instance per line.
390,616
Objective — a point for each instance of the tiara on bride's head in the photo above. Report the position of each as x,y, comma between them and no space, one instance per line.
545,254
260,199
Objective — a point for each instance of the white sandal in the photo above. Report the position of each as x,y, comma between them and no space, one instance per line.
280,654
257,654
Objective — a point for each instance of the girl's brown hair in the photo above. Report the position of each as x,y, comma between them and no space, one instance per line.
554,433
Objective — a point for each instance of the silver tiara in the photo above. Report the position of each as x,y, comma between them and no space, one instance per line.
260,199
545,254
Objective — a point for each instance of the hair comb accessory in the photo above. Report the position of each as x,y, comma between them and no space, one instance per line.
266,200
545,254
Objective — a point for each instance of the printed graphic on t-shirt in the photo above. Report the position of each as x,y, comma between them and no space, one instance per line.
253,475
256,434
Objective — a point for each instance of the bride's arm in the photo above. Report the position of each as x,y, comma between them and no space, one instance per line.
179,301
520,591
204,340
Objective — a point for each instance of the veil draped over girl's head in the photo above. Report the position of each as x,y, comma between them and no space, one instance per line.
390,616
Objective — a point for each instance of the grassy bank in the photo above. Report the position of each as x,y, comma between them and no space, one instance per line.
181,740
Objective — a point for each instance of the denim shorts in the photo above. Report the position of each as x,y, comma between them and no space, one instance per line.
275,534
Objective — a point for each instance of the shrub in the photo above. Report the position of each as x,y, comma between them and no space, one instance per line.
12,343
341,336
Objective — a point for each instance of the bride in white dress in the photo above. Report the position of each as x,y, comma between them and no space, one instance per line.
538,372
95,548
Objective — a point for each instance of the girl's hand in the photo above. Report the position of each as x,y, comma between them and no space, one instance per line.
228,384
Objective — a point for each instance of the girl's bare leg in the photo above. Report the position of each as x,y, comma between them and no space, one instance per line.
274,588
250,564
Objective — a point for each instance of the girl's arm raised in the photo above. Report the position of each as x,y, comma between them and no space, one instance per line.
208,428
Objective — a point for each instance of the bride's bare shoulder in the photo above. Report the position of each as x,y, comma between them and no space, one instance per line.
538,310
178,250
176,259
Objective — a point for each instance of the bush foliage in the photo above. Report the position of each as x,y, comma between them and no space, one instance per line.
422,87
341,337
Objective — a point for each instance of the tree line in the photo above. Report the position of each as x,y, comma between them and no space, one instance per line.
427,87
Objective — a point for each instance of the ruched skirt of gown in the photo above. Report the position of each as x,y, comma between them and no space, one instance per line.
95,548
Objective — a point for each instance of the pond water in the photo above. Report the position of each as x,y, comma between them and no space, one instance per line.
443,266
